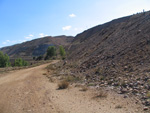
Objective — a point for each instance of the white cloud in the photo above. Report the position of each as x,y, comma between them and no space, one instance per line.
28,38
78,29
20,41
72,15
4,43
31,35
7,40
42,35
66,28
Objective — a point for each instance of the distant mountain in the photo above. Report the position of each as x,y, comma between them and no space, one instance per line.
36,47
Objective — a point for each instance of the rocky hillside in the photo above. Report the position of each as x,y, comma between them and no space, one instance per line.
36,47
119,42
116,54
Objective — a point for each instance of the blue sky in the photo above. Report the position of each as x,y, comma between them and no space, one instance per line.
23,20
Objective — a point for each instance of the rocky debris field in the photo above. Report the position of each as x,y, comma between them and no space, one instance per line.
127,82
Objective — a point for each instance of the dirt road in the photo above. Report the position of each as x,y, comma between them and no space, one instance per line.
29,91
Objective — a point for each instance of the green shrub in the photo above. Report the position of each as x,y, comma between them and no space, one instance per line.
148,95
39,58
20,62
51,51
4,60
62,52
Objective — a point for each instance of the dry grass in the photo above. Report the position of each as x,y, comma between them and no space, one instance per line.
148,95
91,84
44,73
100,94
50,79
83,88
51,67
63,85
72,79
118,107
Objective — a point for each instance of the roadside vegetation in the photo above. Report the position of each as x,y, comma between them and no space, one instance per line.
52,53
62,52
4,60
20,62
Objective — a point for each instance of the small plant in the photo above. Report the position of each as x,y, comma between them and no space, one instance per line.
91,84
148,95
63,85
102,77
100,71
44,74
72,79
148,82
50,78
123,84
51,67
118,107
101,94
39,58
84,88
72,65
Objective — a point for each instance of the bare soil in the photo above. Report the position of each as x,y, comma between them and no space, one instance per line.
29,91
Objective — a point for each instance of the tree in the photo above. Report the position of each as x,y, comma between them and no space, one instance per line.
20,62
62,52
51,51
25,63
39,58
4,60
34,58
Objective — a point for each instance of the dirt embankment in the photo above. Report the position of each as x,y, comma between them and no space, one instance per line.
29,91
